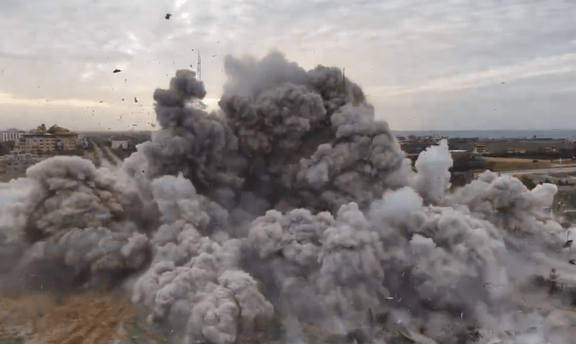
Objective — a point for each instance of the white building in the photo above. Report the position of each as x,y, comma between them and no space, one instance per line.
11,135
119,144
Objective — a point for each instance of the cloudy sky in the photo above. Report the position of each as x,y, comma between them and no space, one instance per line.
440,65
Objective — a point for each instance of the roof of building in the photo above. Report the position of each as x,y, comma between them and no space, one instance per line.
12,130
54,135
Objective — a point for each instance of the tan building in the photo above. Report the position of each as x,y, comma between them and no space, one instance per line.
480,149
54,139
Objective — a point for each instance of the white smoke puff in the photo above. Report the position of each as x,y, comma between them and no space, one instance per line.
509,205
249,76
177,200
543,195
444,274
351,273
365,161
187,243
13,208
195,263
301,238
266,233
14,191
295,235
245,290
62,171
226,309
215,318
433,177
135,251
89,223
79,195
398,209
98,254
317,172
146,286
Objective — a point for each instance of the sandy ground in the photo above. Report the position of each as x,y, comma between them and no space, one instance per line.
39,317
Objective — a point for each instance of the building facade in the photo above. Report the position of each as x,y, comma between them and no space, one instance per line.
480,149
119,144
54,139
17,161
11,135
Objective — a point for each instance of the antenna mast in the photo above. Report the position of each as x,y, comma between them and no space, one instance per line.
199,66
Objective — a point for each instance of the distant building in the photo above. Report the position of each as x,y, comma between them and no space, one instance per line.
11,135
48,140
550,149
17,161
516,151
83,141
480,149
120,143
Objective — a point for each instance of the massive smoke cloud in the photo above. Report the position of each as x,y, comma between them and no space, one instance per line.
293,204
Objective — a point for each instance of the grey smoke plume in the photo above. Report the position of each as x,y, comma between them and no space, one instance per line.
291,204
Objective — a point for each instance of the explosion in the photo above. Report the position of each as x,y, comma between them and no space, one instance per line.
291,204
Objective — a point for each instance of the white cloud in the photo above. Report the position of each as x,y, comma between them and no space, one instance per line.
8,99
555,65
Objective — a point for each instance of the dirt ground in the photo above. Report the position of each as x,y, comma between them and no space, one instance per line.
38,317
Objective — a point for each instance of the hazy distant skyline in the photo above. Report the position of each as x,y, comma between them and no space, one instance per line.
443,65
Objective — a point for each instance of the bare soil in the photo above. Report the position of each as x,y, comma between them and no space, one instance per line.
38,317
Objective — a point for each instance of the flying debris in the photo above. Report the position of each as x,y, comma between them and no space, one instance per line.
572,261
135,99
168,15
290,208
568,243
116,71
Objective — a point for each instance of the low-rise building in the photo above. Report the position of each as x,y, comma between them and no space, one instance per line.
120,143
54,139
17,161
516,151
480,149
550,149
11,135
